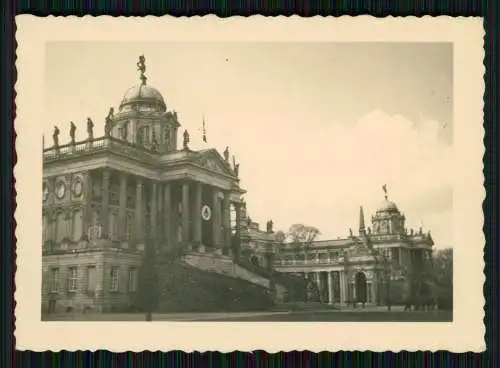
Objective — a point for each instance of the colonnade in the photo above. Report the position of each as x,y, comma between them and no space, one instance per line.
173,209
347,288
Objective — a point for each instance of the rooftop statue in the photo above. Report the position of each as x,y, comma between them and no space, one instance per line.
90,129
55,136
226,154
185,142
108,123
72,131
236,167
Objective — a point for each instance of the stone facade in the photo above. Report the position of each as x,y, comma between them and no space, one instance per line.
105,196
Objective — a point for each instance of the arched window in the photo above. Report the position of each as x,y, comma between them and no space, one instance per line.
77,225
113,224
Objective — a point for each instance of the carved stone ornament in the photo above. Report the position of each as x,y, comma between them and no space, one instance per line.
45,191
209,164
77,187
206,213
94,232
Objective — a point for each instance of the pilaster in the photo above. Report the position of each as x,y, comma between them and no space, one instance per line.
197,213
154,209
138,211
167,214
216,217
122,210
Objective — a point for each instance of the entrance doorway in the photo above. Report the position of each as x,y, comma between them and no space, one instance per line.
361,287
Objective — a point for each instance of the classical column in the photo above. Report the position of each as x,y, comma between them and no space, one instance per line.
185,213
153,214
216,217
226,220
159,232
105,203
138,211
374,289
122,210
197,213
330,288
342,287
167,214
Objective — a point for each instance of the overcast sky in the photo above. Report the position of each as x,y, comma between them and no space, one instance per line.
317,127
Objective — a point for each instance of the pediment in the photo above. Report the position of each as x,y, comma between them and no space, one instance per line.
212,161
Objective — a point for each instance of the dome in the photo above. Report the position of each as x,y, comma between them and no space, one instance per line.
143,94
387,206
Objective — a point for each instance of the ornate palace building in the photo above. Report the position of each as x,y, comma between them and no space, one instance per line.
105,197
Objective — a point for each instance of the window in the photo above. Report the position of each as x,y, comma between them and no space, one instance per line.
91,279
395,254
132,279
77,225
121,134
54,280
72,278
60,227
145,135
115,277
128,227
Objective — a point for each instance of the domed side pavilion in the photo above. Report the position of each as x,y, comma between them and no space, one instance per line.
356,268
104,195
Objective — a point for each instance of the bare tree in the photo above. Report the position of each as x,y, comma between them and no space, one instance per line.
301,237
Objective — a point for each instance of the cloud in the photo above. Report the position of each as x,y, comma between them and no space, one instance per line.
321,176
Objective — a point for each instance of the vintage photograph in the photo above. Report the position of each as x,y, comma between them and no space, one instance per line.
269,184
248,181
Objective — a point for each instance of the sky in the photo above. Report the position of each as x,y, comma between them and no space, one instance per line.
318,128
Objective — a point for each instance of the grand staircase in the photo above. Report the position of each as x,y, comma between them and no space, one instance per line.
225,265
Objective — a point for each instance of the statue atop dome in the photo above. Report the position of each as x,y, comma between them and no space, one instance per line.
141,66
384,188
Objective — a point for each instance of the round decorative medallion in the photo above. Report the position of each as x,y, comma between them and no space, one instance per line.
206,213
60,189
77,187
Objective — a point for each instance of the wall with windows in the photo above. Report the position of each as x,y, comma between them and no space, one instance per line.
92,280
